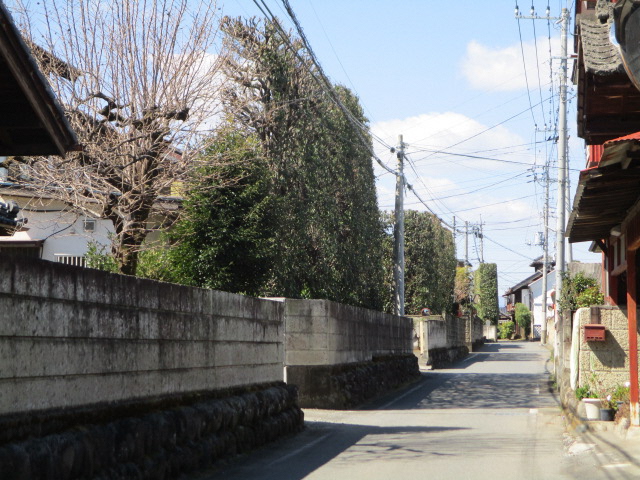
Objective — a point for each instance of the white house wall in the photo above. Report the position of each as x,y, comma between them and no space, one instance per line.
63,231
536,293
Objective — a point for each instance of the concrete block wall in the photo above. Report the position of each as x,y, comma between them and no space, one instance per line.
435,330
321,332
445,339
490,332
71,336
608,360
340,356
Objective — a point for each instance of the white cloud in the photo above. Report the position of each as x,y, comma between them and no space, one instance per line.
502,69
470,188
429,134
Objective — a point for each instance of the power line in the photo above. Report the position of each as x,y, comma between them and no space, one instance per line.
507,248
322,81
526,78
477,157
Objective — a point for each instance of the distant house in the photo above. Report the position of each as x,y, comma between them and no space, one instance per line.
32,122
529,293
59,233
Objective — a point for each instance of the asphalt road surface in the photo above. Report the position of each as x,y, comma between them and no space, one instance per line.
490,416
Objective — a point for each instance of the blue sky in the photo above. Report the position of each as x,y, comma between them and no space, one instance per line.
440,73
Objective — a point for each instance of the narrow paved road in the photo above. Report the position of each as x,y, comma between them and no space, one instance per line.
490,416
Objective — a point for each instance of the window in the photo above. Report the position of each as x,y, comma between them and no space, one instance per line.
89,225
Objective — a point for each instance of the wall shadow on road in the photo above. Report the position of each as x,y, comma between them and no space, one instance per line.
322,442
498,346
494,357
478,390
457,387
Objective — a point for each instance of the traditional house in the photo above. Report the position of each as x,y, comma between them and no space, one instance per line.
607,203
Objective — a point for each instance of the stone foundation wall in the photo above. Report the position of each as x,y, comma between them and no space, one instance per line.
154,440
348,385
441,357
340,356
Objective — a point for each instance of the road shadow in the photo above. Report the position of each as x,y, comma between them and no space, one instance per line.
478,357
502,346
459,387
322,442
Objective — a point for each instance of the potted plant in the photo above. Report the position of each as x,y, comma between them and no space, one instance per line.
607,408
621,394
590,400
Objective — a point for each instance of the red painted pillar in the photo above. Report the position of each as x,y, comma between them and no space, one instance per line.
632,313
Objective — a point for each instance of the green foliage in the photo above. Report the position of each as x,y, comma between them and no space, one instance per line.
430,263
99,256
155,263
486,290
584,392
620,394
463,289
579,291
293,211
590,296
523,317
224,239
506,329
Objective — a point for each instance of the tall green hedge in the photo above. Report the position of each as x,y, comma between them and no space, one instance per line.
486,292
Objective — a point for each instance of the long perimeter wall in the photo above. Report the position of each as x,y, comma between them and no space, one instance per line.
71,337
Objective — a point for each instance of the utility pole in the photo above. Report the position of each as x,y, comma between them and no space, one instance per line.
454,231
481,242
398,232
562,175
545,256
466,243
562,170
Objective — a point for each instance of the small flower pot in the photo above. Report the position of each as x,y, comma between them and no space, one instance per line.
592,408
606,414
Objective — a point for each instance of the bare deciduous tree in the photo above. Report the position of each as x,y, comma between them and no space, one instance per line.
138,80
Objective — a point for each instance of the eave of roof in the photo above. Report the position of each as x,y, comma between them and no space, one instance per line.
606,192
524,283
42,128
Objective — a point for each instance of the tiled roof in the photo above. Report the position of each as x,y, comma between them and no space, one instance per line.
631,137
600,56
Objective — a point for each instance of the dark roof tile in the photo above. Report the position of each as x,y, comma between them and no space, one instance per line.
600,56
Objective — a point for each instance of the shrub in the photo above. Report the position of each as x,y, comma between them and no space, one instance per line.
523,318
506,329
